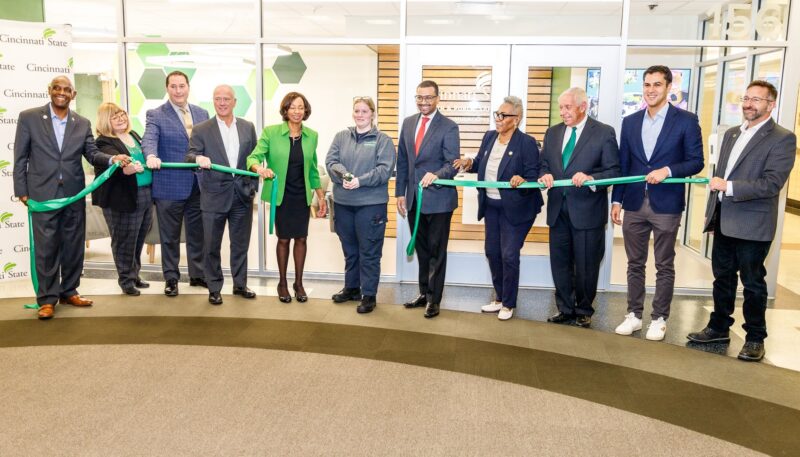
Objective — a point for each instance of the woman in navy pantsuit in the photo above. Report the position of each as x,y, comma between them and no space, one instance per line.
506,154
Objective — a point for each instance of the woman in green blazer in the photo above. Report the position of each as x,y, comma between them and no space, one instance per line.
290,151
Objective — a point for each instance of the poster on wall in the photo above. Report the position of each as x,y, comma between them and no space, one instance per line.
632,99
31,55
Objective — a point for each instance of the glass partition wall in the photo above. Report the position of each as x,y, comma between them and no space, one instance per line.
334,51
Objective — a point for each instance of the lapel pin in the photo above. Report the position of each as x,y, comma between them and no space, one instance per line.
511,153
44,116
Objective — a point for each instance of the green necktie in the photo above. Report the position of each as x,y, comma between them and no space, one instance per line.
569,147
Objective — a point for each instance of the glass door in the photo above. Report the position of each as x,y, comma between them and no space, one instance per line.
539,74
473,82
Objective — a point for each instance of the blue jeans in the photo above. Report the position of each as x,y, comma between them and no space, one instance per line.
361,230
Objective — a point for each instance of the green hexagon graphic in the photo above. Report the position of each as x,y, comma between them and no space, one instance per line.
289,69
208,106
152,84
271,84
146,50
136,125
188,69
135,100
243,101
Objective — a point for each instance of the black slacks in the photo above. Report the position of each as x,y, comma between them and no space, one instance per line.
575,257
431,247
730,256
171,216
58,237
240,222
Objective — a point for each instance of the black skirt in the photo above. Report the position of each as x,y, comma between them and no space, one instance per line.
291,217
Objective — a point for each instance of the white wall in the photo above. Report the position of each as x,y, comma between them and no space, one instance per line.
334,75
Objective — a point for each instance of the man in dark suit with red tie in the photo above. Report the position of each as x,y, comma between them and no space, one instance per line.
428,145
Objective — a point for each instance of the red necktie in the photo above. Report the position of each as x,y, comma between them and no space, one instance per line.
420,134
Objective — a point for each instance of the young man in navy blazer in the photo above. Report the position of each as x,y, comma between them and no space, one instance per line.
661,141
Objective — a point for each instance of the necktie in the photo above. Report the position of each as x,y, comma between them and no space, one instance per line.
420,134
187,121
569,147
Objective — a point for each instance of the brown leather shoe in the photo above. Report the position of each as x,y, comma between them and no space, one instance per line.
76,300
45,312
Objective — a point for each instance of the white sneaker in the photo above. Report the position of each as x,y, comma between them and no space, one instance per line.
492,307
629,325
505,313
656,330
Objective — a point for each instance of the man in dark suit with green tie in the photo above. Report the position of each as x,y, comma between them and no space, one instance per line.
581,149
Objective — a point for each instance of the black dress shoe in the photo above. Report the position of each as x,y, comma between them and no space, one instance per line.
215,298
300,293
171,289
244,292
583,321
752,351
709,335
561,318
347,294
132,291
417,302
200,282
432,310
283,294
367,304
141,284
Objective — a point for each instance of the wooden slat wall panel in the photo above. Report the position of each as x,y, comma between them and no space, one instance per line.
472,123
537,117
387,106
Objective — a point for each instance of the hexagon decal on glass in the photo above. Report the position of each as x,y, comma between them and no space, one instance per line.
243,101
152,84
289,69
146,50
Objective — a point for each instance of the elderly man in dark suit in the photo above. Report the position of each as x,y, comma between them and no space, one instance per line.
48,147
428,145
225,140
176,193
581,149
659,142
742,211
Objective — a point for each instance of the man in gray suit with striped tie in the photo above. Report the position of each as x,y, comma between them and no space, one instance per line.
742,212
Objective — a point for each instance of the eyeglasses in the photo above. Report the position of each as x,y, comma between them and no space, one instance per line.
223,99
501,116
119,116
746,99
426,98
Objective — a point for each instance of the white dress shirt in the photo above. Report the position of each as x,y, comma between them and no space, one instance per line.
492,165
745,136
230,138
427,126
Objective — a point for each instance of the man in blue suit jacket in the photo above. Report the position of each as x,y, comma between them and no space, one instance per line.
428,145
661,141
176,193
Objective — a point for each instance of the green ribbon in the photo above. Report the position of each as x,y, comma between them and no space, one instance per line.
58,203
530,185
